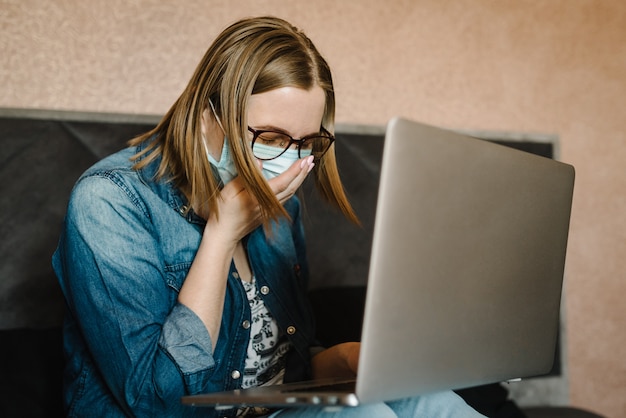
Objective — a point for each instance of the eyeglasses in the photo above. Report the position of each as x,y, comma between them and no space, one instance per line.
272,144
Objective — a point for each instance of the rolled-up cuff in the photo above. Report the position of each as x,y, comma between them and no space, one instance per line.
186,340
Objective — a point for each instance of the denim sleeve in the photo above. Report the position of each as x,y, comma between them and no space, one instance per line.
186,340
149,349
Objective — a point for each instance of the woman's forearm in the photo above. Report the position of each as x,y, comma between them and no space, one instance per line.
205,285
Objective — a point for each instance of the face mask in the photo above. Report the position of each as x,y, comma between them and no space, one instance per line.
226,166
278,165
271,168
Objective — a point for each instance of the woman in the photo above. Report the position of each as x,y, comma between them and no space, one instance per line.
182,259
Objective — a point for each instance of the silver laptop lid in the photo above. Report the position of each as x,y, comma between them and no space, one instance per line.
466,266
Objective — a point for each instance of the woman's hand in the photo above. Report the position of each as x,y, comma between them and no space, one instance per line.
340,361
239,212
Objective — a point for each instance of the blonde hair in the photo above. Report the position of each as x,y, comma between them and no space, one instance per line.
251,56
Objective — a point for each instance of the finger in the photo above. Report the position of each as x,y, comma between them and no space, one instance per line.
286,184
295,184
298,168
291,188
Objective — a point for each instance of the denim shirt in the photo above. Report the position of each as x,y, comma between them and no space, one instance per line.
125,250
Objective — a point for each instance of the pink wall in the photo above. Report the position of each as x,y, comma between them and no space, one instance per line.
555,67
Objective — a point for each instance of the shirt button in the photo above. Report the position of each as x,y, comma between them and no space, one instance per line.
235,275
265,290
235,374
245,324
291,330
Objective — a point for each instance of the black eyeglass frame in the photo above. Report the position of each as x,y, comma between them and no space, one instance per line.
258,132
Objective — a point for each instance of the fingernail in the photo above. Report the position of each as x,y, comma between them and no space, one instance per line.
307,161
310,167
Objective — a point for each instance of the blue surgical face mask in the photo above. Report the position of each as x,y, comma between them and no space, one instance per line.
225,166
271,168
278,165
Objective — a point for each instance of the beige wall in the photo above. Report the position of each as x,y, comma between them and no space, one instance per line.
555,67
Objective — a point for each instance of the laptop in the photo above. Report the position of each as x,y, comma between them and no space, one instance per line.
465,273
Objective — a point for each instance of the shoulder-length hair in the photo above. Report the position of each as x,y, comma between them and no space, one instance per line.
251,56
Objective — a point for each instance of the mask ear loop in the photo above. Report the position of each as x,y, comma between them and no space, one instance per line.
217,119
206,148
219,122
214,163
